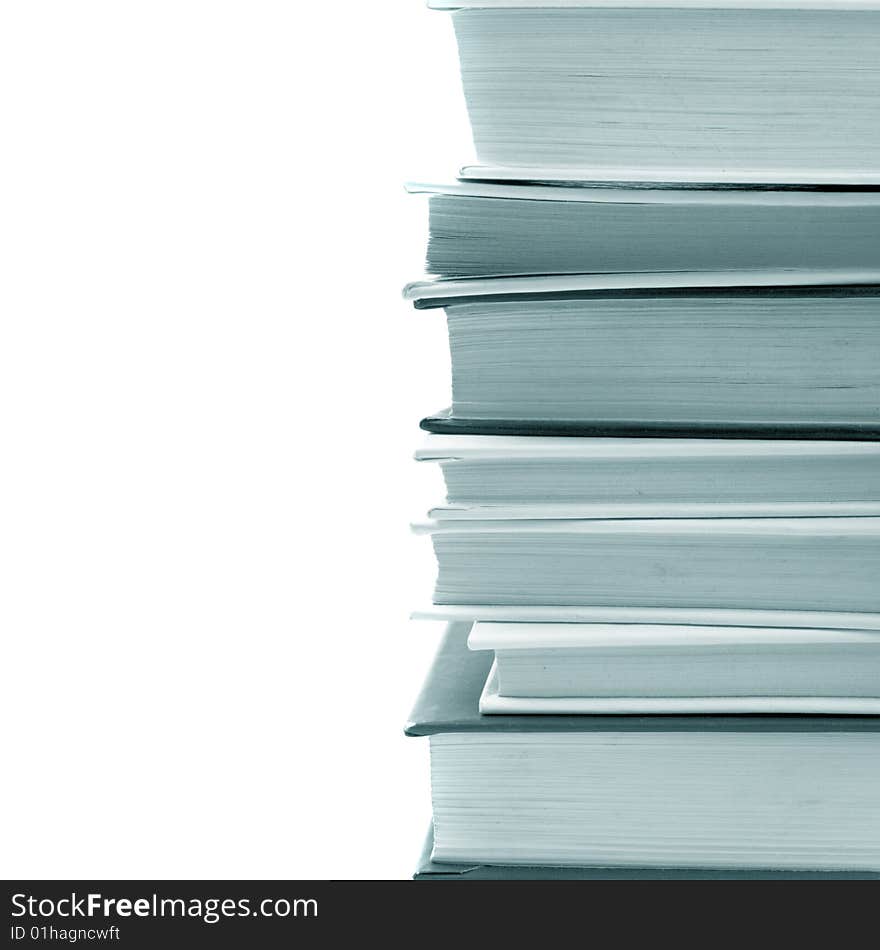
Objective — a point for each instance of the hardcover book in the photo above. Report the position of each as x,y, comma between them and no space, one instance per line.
601,669
490,230
430,870
550,477
575,355
745,91
769,564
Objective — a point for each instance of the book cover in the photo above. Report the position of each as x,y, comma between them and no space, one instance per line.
428,870
444,423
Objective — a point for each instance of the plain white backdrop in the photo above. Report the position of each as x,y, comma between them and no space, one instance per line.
209,397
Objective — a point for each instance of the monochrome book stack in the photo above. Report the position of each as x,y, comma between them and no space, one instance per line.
659,551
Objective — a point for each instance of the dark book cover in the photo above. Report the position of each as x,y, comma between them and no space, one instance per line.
444,423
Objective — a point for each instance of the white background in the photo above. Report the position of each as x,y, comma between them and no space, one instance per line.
209,396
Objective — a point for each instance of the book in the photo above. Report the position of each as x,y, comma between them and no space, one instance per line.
639,669
484,229
734,90
789,793
596,477
429,870
672,357
809,564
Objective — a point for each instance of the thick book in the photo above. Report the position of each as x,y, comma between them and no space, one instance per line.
736,793
638,669
772,564
744,91
662,359
599,477
484,229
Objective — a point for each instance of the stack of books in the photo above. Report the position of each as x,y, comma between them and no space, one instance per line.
659,554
